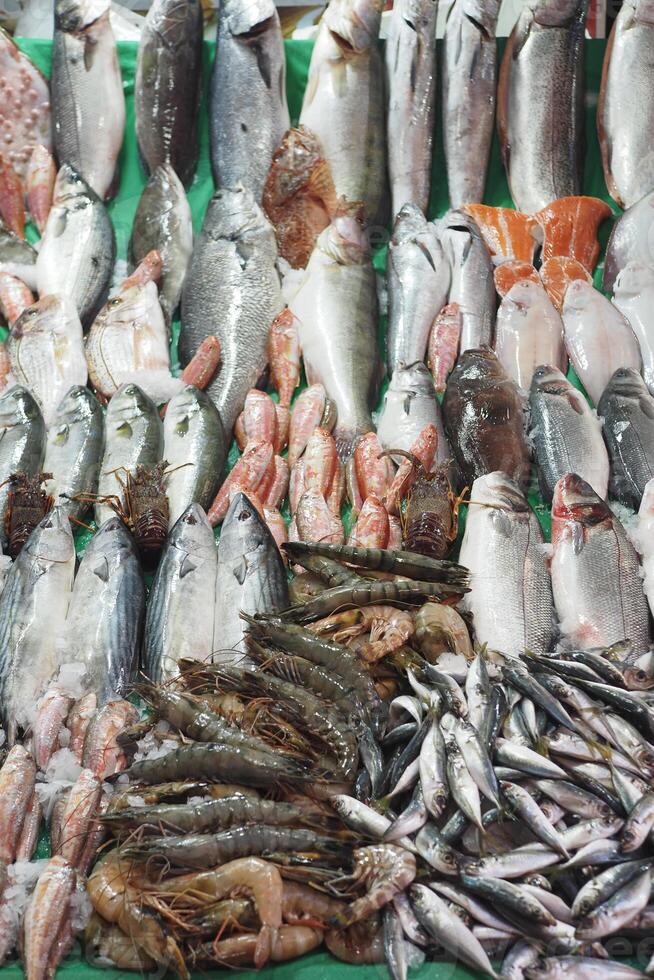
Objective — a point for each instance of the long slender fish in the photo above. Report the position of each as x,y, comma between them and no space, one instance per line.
628,412
74,450
22,441
630,241
540,103
634,297
469,83
472,285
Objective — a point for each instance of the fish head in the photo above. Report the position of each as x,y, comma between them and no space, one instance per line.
192,533
234,215
409,223
575,500
412,379
73,16
13,248
243,530
557,13
129,402
578,297
644,11
497,490
78,403
112,539
48,314
625,383
479,363
18,406
245,17
52,539
483,14
295,161
549,380
633,279
354,24
171,19
344,241
71,189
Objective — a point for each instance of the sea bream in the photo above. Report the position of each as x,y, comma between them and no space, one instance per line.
627,409
74,450
633,294
472,286
528,332
22,442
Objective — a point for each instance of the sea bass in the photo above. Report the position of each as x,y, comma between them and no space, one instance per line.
628,412
22,442
410,404
631,240
528,332
472,285
634,297
74,450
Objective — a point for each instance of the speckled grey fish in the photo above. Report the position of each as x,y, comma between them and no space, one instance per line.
163,222
105,616
411,87
183,592
22,441
472,285
133,437
74,450
232,291
628,412
540,106
410,404
248,114
167,86
631,240
469,83
195,448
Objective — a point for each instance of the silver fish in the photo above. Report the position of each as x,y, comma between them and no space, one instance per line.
634,297
248,114
524,805
232,290
540,103
88,104
528,332
521,956
619,909
17,257
580,968
411,87
469,81
180,612
410,404
630,241
22,441
448,929
472,285
628,412
74,450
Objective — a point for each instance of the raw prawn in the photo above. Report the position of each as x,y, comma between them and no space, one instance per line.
389,629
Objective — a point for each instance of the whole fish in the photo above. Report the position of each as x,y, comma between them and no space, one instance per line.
628,412
469,81
472,285
540,103
598,338
411,87
88,104
245,132
625,112
598,591
183,593
566,433
105,615
630,241
579,967
634,297
483,414
74,449
232,290
78,248
336,306
528,332
167,86
418,277
33,609
251,577
410,404
448,930
22,442
133,437
510,594
345,95
195,449
17,257
28,122
163,223
646,540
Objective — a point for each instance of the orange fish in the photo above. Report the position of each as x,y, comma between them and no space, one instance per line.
570,229
507,233
509,273
557,274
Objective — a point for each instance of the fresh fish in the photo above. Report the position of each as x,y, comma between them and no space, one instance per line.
566,433
26,94
88,104
528,332
245,132
630,241
167,87
540,103
105,615
411,87
598,591
469,79
195,449
251,577
162,223
78,248
33,609
345,95
472,285
625,113
579,968
336,306
598,338
628,412
232,290
634,297
483,414
646,540
410,404
618,910
133,437
448,930
183,593
22,442
74,450
418,281
510,596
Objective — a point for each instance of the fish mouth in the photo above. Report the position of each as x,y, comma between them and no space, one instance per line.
74,16
626,382
574,499
498,489
549,380
354,24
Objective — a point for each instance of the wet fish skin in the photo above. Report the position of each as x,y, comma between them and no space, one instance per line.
410,404
528,332
17,257
582,967
167,86
22,441
619,909
633,294
448,929
630,240
74,450
646,539
472,284
628,412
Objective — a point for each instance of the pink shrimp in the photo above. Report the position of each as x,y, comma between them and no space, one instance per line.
443,345
371,529
41,175
389,629
247,473
241,950
284,355
386,870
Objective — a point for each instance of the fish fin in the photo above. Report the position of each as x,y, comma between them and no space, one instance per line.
188,565
101,569
240,570
346,441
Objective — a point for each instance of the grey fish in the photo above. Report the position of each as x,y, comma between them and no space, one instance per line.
619,909
600,888
22,441
472,285
580,968
248,114
163,222
394,943
195,449
33,609
630,240
540,103
573,798
88,104
179,619
469,81
411,87
78,248
418,276
448,929
524,805
105,616
521,956
410,404
251,577
628,412
232,290
17,257
133,437
167,86
514,900
74,450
